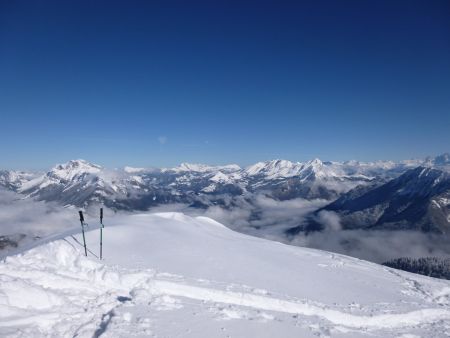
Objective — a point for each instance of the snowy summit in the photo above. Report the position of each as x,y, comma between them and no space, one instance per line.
167,275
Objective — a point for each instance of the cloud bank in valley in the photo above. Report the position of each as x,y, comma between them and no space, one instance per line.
261,217
27,216
270,219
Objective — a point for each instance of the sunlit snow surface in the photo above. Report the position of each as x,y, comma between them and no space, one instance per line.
170,275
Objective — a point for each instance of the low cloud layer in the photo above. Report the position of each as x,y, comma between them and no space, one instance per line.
26,216
23,221
265,214
377,246
262,217
275,217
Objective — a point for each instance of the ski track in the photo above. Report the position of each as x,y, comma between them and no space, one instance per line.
39,295
274,304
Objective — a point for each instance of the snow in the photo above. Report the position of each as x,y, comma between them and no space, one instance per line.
279,169
223,178
210,188
203,168
444,201
220,178
68,172
169,275
132,170
37,181
74,168
137,179
275,169
74,182
15,178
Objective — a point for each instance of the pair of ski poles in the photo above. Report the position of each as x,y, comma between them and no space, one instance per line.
83,224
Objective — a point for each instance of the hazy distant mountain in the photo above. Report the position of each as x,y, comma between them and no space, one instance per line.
419,199
314,179
13,180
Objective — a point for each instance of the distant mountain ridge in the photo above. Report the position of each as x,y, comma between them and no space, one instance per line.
419,199
81,183
379,195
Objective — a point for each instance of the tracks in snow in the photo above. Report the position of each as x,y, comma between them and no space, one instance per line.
381,321
55,290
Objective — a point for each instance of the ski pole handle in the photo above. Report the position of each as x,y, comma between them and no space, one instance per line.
81,217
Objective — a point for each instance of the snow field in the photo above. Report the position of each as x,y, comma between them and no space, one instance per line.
54,291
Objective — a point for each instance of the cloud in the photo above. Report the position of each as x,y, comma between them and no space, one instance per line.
260,216
163,139
330,220
377,246
24,220
269,218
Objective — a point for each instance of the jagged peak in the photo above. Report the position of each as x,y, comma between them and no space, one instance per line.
315,162
198,167
76,164
272,164
72,168
274,168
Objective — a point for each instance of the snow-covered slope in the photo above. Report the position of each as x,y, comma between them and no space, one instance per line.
170,275
275,169
417,200
14,180
202,168
76,182
280,169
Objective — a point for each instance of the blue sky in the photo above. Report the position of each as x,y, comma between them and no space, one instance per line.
158,83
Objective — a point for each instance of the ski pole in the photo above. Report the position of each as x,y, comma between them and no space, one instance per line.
101,232
82,230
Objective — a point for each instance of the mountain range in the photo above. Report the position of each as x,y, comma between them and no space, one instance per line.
413,194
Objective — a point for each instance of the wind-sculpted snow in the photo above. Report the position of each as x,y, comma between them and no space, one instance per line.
172,275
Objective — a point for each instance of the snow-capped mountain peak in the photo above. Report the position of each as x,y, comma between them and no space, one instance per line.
220,177
73,168
79,182
316,165
274,169
203,168
76,182
315,162
14,179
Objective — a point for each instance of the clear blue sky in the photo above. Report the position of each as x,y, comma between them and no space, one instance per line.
158,83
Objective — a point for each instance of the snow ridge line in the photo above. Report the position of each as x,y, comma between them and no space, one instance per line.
424,316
